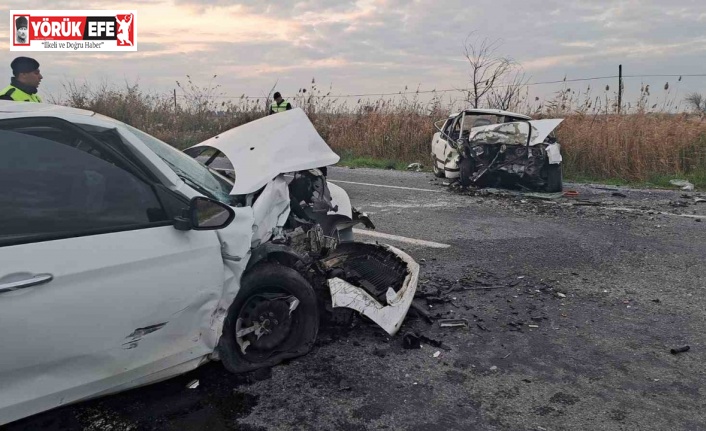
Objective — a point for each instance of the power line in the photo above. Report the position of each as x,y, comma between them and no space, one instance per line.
462,90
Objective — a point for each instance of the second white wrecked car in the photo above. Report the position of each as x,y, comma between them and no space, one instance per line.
489,147
124,261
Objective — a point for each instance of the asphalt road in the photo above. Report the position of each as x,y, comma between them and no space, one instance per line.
573,305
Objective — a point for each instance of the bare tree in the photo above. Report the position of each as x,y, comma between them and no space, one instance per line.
508,96
486,67
696,101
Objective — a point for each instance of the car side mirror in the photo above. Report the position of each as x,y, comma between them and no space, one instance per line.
205,214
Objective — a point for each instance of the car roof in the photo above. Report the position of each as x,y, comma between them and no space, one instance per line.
492,112
11,107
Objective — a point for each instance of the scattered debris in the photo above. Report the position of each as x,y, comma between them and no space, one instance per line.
684,184
433,342
421,312
410,340
494,368
417,167
619,195
699,200
680,350
344,385
571,193
193,384
437,354
533,326
586,203
453,323
561,295
603,187
543,196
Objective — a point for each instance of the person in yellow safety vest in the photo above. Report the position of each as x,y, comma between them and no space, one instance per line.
23,86
279,104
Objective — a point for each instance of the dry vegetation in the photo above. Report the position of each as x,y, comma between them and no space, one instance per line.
646,144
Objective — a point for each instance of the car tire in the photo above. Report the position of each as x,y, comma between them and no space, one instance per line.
554,179
265,300
438,173
466,167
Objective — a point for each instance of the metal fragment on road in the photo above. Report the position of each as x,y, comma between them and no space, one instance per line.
453,323
410,341
437,354
680,350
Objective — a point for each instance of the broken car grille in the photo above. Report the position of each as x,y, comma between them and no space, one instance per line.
369,266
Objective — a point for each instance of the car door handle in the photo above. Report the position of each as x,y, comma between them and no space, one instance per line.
23,284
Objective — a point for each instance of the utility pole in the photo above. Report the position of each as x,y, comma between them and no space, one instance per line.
175,102
620,87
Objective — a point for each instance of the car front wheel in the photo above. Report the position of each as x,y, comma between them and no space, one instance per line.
467,167
554,179
273,318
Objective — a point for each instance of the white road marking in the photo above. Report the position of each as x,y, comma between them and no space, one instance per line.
386,186
403,239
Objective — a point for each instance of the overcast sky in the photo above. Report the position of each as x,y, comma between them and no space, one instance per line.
380,46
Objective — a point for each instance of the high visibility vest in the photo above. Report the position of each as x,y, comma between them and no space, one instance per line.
279,108
18,95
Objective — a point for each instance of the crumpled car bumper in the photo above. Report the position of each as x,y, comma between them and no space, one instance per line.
378,281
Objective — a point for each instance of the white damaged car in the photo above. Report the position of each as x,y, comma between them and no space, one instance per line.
490,148
124,261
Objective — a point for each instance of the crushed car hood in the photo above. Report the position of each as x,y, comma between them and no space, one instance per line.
514,133
273,145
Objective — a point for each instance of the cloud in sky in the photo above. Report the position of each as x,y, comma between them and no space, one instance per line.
380,45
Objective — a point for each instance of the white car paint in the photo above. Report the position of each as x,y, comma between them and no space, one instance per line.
129,308
79,335
276,144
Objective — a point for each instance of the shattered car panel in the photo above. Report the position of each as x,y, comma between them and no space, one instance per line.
364,276
510,149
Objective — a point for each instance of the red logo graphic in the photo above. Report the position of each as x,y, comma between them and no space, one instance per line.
72,30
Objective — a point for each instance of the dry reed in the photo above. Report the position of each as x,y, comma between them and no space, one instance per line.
596,144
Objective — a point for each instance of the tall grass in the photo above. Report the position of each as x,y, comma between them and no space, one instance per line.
643,143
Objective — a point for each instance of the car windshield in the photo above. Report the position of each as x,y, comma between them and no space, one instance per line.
196,175
477,120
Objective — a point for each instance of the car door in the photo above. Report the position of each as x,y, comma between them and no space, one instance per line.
97,289
438,145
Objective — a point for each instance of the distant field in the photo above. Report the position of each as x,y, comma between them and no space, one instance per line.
640,147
